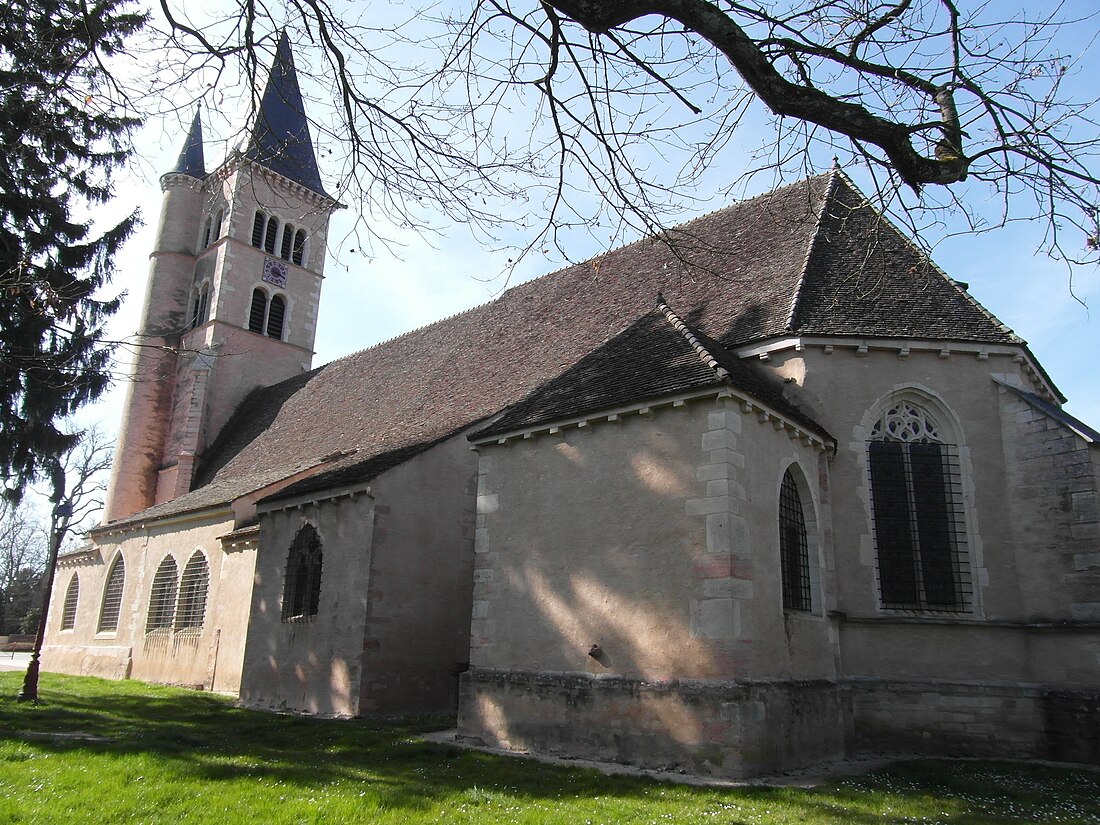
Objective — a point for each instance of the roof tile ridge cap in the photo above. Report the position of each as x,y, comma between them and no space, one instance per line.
927,256
830,191
681,327
655,236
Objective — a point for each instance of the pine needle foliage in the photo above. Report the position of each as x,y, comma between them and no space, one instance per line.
64,129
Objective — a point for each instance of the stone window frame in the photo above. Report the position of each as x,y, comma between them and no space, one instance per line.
930,421
110,606
302,576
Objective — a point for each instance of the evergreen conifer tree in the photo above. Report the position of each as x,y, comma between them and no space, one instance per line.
63,131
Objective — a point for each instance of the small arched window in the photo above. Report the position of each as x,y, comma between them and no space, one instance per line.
68,609
206,233
276,312
288,241
916,506
162,598
112,597
270,234
299,251
267,316
794,552
194,584
201,306
302,589
259,223
257,314
217,230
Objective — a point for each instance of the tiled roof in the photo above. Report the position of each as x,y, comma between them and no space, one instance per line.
863,277
649,359
280,136
191,160
733,275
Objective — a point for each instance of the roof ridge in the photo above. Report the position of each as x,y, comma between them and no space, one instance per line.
830,191
548,275
681,326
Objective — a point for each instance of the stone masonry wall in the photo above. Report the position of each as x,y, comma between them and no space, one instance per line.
719,728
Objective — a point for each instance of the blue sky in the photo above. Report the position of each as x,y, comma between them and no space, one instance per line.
424,278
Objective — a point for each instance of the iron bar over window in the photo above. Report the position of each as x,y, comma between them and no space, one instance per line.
916,502
162,598
72,597
194,584
112,598
794,554
302,591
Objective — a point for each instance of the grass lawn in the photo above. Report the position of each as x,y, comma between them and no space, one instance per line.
106,752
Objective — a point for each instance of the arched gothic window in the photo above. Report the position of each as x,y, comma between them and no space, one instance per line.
194,585
794,551
68,609
916,504
302,589
206,233
162,598
216,232
112,597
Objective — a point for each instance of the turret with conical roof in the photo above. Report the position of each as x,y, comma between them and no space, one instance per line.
233,294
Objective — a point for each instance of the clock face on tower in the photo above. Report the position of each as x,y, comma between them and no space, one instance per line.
275,272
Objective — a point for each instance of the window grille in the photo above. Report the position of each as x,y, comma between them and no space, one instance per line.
68,610
302,589
258,312
916,503
258,225
276,311
299,247
794,554
112,598
288,239
270,233
194,584
162,598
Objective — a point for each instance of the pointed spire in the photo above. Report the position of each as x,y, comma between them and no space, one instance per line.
190,161
280,136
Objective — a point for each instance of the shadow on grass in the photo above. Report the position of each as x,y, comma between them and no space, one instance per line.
204,738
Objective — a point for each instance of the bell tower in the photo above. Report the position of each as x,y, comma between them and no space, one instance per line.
234,287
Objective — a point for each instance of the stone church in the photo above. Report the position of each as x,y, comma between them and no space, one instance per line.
768,490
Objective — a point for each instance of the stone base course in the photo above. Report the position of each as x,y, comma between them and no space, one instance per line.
737,729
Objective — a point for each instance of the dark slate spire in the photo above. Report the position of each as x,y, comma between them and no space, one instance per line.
280,136
191,161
